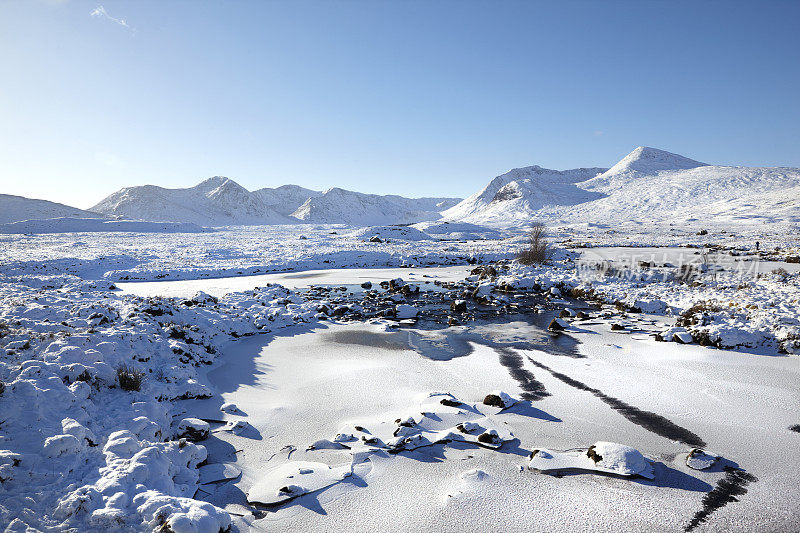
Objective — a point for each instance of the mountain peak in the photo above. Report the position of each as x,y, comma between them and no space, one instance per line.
214,183
646,159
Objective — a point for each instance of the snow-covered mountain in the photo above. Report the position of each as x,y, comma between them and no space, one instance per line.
18,208
339,206
217,201
286,198
642,161
524,190
646,185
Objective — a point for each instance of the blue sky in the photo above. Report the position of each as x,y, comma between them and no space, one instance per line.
414,98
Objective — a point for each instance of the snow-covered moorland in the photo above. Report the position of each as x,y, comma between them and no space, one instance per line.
98,426
162,376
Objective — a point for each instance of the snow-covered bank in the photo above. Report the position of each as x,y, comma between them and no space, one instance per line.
292,280
738,310
89,436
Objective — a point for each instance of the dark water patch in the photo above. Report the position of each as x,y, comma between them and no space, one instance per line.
485,321
795,427
360,337
650,421
512,360
728,488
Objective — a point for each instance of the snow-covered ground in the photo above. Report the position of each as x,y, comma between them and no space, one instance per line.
117,374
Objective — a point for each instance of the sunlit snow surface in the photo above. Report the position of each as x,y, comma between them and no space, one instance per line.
77,451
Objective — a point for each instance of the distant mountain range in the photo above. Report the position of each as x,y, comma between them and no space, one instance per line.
647,185
220,201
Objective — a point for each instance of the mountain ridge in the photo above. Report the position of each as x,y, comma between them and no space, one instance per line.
647,184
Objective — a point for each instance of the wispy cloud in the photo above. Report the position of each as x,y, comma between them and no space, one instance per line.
599,133
100,11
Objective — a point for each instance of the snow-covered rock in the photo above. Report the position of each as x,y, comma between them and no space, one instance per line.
294,479
606,457
403,311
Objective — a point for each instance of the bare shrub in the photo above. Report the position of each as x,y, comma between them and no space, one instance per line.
129,378
537,251
698,314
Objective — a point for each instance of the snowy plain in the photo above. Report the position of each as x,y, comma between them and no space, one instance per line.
317,377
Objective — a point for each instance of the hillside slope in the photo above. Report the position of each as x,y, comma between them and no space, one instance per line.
18,208
286,199
339,206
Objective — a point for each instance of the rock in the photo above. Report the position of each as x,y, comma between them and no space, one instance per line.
408,290
366,285
580,315
375,238
229,408
204,298
484,272
489,437
459,306
617,327
193,429
453,322
557,325
499,399
700,460
396,284
448,402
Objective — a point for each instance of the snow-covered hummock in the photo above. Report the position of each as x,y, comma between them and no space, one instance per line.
613,458
461,231
294,479
217,201
646,185
384,233
287,198
16,208
340,206
82,225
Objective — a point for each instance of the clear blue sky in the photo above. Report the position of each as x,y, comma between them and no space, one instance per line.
417,98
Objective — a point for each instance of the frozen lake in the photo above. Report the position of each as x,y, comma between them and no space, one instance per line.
295,390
